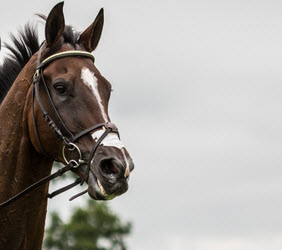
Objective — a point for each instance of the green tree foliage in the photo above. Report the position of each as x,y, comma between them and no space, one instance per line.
95,227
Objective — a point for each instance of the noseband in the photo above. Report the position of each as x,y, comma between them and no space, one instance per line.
67,137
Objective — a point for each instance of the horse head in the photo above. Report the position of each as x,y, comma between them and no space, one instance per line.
76,96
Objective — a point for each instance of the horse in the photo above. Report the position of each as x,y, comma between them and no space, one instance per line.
54,107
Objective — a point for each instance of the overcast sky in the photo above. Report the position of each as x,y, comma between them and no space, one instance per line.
197,99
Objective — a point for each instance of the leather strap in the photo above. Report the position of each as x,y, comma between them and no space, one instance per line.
61,190
37,184
108,130
35,125
68,132
86,131
65,54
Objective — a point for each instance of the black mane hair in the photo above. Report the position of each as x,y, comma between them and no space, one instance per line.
22,49
70,36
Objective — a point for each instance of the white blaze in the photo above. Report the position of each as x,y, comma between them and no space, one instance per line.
127,170
111,140
91,82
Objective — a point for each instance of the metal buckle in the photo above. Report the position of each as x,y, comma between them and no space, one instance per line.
36,76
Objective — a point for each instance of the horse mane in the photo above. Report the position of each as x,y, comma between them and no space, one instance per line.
21,50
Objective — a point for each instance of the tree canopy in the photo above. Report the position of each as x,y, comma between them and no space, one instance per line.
94,227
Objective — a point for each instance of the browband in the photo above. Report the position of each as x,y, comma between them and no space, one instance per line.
65,54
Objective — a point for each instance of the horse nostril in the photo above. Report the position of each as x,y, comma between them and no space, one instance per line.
110,168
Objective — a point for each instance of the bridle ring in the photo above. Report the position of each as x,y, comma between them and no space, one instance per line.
72,148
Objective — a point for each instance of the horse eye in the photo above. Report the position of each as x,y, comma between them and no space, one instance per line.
60,88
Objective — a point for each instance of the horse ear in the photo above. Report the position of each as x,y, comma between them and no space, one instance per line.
91,36
55,25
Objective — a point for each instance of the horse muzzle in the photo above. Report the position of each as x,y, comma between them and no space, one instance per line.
109,173
108,165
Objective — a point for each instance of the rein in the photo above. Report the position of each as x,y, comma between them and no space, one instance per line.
68,138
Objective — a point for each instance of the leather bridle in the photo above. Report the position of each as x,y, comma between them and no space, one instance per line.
67,137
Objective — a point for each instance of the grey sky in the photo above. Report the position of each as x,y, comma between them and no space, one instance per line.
197,98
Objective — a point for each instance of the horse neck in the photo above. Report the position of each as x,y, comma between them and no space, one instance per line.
21,223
